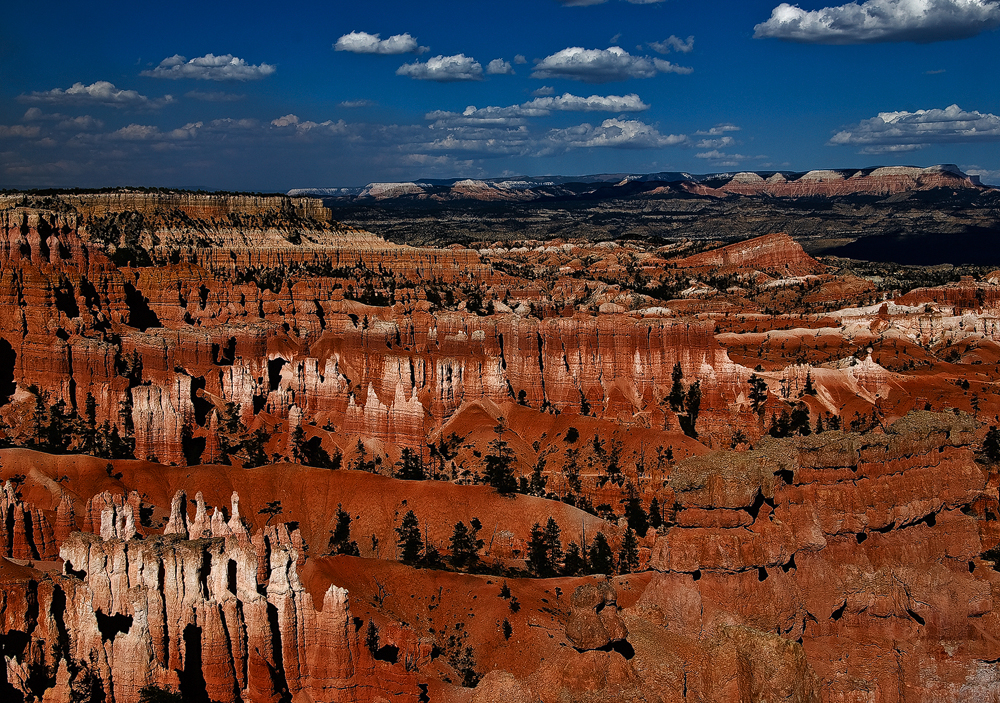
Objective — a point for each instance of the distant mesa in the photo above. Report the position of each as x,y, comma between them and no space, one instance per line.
883,181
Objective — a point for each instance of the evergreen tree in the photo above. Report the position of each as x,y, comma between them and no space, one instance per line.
573,564
676,396
819,424
758,393
600,556
809,389
628,555
500,462
991,444
254,448
340,541
553,545
90,443
410,543
655,516
799,420
538,479
465,546
634,513
538,553
410,467
693,402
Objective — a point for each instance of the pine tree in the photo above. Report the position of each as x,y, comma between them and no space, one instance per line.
538,479
573,564
655,517
634,513
991,444
340,541
410,543
538,554
809,389
819,424
553,545
500,462
410,467
693,402
465,546
600,556
628,556
758,393
676,396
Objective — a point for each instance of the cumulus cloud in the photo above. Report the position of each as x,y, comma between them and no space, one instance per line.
519,59
919,21
365,43
213,96
210,68
356,103
601,65
83,123
141,132
19,130
98,93
615,132
499,67
443,69
673,43
304,126
718,129
544,90
539,107
892,132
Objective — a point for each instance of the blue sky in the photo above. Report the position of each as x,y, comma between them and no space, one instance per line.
263,97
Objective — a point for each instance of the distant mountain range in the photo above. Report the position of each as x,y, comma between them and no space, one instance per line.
885,180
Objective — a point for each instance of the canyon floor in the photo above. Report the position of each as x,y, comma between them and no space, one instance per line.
253,453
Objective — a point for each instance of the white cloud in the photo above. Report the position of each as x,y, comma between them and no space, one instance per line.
365,43
718,129
213,96
544,90
918,21
519,59
19,130
142,133
443,69
595,103
622,134
499,67
673,43
210,68
902,131
356,103
83,123
601,65
715,143
539,107
985,175
97,93
301,127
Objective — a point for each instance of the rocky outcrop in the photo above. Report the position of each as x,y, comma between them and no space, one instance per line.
190,615
775,253
841,543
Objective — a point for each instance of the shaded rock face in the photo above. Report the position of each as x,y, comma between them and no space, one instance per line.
594,622
189,615
864,550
